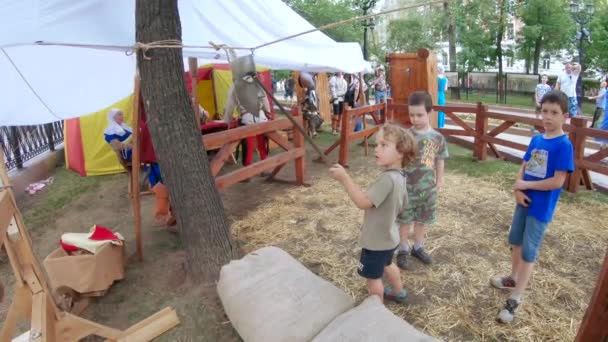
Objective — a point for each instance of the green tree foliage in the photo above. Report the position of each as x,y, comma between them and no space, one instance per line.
597,52
548,28
323,12
476,29
410,34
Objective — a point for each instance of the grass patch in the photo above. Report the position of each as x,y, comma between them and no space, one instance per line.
516,101
67,187
461,161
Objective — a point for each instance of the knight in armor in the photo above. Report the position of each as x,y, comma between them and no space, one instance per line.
310,104
247,118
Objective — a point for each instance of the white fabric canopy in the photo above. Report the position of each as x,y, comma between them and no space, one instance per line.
47,73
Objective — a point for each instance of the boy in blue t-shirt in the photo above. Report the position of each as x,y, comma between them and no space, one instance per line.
547,162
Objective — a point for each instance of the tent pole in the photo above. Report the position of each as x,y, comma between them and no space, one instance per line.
135,169
193,67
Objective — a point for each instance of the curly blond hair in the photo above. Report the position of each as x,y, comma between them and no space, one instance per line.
404,141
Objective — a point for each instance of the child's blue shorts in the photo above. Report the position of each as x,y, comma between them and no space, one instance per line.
527,232
372,263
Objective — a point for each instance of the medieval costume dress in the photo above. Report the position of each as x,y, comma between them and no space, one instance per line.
118,136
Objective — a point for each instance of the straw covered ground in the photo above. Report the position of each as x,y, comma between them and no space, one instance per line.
451,299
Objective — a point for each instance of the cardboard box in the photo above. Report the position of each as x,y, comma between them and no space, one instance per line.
86,273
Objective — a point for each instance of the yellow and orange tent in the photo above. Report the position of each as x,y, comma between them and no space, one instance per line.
86,151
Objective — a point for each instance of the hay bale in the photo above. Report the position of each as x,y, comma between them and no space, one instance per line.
369,322
269,296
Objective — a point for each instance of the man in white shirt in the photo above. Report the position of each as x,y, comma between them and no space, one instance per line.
566,82
337,90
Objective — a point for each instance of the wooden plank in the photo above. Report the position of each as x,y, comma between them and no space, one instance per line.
216,140
31,279
594,327
363,133
597,156
587,181
256,168
280,140
495,151
73,328
460,122
365,110
344,138
275,171
578,143
322,89
38,328
594,132
459,132
220,158
480,151
591,166
21,307
152,327
515,118
300,163
332,147
7,211
504,142
501,128
150,319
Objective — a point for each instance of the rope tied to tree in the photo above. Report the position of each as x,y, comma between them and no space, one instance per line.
176,44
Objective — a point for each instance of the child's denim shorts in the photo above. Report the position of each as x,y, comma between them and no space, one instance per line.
527,232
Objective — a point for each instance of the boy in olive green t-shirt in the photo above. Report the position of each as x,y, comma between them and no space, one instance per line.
424,180
382,202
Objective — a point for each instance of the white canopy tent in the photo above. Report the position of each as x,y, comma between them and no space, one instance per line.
63,59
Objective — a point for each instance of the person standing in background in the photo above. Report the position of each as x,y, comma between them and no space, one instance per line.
442,87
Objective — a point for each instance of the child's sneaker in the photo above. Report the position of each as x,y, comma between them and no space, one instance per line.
507,313
402,260
400,297
421,254
503,282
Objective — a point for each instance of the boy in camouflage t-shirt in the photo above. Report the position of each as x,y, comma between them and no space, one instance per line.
424,179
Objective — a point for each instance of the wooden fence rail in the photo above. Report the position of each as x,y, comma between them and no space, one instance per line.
350,118
484,138
227,141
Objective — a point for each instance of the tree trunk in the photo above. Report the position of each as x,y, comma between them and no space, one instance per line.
538,45
451,31
499,34
195,201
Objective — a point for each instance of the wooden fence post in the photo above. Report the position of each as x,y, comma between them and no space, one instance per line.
298,142
480,148
389,110
344,133
593,327
577,138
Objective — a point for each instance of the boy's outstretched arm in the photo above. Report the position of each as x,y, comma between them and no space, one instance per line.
354,191
555,182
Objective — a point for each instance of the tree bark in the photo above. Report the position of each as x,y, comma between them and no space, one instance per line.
451,33
538,45
499,35
195,201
